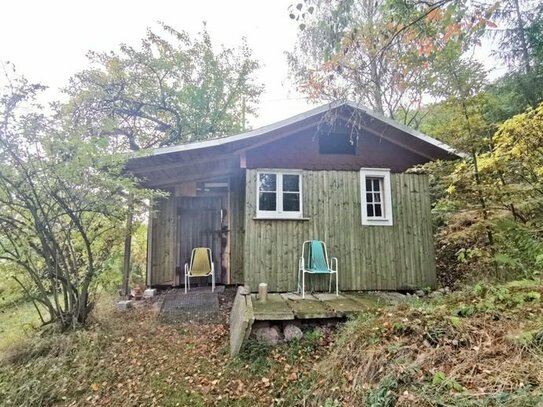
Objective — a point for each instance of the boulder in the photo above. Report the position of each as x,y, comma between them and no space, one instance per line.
292,332
270,335
419,293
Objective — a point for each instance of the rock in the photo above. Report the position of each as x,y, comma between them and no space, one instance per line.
270,335
149,293
125,305
435,294
291,332
419,293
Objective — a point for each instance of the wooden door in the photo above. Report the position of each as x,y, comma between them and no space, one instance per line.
199,221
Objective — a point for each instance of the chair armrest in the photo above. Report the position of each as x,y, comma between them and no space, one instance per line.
333,261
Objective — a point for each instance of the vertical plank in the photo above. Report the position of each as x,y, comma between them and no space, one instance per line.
370,257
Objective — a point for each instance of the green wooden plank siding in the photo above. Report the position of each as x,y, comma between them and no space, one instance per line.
163,240
370,257
237,226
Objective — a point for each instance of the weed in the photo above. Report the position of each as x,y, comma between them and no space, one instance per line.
384,395
332,403
255,356
440,379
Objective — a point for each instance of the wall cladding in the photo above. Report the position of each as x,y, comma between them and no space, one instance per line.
370,257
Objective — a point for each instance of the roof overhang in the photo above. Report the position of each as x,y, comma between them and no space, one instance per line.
159,160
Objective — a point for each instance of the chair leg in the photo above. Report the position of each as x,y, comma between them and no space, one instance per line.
212,282
330,283
186,283
303,285
337,284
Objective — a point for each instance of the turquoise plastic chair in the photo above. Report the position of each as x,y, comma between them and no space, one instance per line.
314,260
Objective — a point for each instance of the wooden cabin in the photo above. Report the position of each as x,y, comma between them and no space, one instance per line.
337,173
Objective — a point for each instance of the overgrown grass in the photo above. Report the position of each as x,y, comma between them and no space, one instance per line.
18,320
132,359
482,346
479,347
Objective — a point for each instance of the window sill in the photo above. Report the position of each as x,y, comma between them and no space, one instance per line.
382,222
278,218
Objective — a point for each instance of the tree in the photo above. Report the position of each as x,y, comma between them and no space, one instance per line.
519,39
173,89
61,203
384,54
517,157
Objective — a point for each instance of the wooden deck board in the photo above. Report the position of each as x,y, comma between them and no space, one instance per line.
288,306
342,305
310,308
274,309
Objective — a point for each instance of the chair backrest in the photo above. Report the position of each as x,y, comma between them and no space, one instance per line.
200,261
316,259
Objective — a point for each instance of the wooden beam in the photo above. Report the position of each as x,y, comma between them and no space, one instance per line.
223,173
195,169
181,164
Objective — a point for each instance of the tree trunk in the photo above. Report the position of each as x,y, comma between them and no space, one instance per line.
128,248
522,37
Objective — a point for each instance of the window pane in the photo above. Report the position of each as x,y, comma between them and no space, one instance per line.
370,210
291,202
377,197
291,183
267,182
369,198
378,211
267,201
368,184
376,184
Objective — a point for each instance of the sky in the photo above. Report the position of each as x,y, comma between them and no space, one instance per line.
47,40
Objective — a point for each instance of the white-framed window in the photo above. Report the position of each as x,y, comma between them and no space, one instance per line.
376,196
279,194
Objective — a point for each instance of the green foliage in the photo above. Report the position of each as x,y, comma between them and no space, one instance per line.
440,379
255,356
384,394
172,89
62,198
385,54
332,403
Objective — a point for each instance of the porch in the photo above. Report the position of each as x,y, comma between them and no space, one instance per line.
247,309
289,306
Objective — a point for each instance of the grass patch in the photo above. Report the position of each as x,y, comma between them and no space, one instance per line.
477,347
18,320
131,359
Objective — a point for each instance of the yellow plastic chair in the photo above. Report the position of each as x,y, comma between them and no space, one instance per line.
201,265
